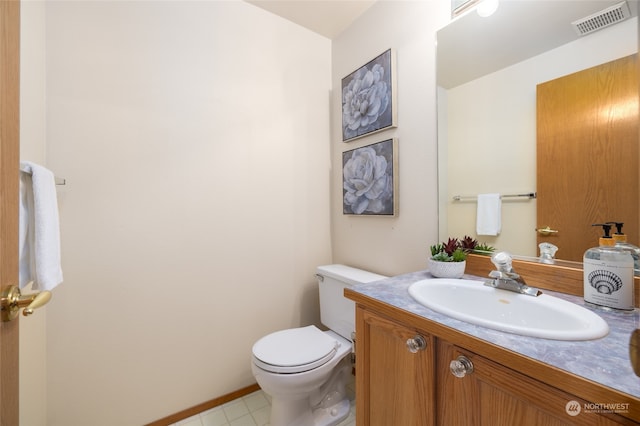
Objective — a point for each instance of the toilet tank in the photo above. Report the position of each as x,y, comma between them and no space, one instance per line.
337,312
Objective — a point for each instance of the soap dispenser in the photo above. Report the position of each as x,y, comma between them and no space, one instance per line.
608,274
622,243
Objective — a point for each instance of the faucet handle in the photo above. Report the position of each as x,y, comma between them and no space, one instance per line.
503,261
547,252
496,274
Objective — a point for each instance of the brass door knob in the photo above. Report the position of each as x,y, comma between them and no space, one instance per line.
546,231
12,300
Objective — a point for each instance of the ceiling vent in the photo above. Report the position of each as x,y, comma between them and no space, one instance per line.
604,18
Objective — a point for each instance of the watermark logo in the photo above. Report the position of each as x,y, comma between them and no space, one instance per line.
606,407
573,408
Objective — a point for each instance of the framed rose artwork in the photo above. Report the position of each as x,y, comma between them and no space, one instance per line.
370,180
368,98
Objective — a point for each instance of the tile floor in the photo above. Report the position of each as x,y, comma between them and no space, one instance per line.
251,410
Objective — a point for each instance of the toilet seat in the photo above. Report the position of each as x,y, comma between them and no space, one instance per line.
294,350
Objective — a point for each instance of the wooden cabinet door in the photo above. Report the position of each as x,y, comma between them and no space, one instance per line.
588,150
393,385
493,395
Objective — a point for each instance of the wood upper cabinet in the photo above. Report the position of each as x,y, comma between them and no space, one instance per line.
397,387
393,385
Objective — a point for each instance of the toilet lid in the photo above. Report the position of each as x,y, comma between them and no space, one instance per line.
294,350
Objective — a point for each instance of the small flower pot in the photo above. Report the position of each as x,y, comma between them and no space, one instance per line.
446,269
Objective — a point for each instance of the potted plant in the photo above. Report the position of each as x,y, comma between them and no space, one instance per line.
449,259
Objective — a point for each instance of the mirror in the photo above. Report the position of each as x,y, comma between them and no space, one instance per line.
487,72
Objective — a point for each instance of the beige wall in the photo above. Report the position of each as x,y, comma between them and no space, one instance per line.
200,143
194,137
492,140
400,244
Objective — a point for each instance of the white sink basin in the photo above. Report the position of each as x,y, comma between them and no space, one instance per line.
544,316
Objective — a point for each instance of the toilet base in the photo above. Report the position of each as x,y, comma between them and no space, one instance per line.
328,406
332,415
329,416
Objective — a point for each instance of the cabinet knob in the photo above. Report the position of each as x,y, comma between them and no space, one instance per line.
416,344
461,366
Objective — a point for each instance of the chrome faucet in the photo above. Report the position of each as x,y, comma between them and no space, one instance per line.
506,278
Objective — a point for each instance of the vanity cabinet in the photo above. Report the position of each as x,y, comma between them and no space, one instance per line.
399,382
492,394
394,386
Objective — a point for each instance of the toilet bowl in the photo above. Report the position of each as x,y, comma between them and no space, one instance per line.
305,370
309,390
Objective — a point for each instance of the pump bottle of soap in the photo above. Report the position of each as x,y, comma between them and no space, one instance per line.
608,274
622,243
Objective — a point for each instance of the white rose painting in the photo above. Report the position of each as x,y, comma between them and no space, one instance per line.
369,179
367,98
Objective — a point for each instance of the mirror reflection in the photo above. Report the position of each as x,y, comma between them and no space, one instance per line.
489,69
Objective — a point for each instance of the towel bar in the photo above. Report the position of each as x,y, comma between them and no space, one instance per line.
529,195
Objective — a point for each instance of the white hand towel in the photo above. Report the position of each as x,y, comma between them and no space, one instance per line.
39,228
489,214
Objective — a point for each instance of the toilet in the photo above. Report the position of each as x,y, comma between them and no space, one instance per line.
305,370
